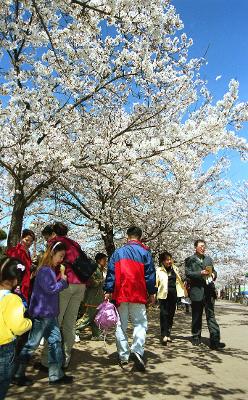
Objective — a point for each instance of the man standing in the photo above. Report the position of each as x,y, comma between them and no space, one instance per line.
130,279
201,274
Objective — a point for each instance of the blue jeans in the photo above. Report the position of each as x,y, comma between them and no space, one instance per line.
7,355
49,329
137,314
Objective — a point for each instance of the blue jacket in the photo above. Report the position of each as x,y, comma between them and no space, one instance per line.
131,274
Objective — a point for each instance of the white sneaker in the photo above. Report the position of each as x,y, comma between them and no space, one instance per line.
77,339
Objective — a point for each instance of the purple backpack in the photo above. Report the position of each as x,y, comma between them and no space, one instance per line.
107,316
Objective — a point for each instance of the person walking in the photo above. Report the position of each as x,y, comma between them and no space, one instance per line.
170,287
93,297
130,283
201,275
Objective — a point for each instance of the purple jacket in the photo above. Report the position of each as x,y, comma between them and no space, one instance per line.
45,297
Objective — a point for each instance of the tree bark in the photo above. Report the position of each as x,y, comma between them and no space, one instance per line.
108,239
16,220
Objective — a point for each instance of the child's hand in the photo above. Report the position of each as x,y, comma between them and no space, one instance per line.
62,272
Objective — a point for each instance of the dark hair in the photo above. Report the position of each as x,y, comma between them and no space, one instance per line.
134,231
199,241
163,256
48,230
9,269
60,229
28,232
100,256
50,252
3,234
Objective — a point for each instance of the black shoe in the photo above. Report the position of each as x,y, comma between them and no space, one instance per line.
138,362
22,381
66,379
125,365
164,341
196,342
217,346
40,367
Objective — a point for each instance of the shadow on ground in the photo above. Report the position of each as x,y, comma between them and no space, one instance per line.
169,372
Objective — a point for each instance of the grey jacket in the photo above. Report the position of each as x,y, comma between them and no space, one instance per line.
198,287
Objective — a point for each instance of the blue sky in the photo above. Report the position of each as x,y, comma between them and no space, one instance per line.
220,27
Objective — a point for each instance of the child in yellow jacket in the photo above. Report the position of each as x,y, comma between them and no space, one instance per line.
12,321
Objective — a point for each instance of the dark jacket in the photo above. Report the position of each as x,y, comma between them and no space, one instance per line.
198,287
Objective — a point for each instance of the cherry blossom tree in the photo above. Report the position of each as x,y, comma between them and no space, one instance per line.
95,97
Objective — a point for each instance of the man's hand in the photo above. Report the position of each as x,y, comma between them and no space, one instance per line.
152,299
204,272
108,296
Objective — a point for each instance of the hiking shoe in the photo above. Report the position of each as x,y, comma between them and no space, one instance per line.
138,362
65,380
217,346
22,381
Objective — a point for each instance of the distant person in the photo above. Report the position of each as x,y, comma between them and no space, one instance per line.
200,272
93,297
170,288
3,236
12,320
22,253
48,233
130,282
44,310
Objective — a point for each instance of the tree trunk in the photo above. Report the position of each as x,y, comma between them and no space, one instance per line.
108,238
16,220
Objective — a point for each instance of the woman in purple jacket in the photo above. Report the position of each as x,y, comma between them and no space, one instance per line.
44,310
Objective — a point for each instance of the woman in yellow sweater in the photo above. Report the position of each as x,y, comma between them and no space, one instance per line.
12,321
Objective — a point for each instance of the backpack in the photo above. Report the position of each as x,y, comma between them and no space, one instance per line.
107,316
83,266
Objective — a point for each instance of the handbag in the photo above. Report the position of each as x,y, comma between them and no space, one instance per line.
107,316
83,266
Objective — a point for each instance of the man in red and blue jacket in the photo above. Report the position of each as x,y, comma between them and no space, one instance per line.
130,282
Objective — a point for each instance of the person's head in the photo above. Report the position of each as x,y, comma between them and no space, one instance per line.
200,246
54,255
166,259
3,235
60,229
101,259
11,272
134,232
48,232
27,238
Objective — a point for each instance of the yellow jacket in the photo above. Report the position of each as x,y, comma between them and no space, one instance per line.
162,283
12,321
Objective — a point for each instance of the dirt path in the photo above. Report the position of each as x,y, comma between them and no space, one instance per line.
179,371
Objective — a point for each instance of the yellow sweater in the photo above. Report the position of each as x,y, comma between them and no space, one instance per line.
162,283
12,321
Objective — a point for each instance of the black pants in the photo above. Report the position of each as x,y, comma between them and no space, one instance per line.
167,312
197,311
